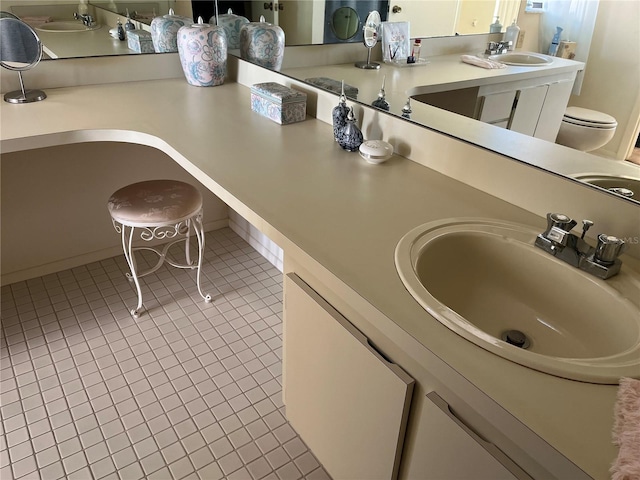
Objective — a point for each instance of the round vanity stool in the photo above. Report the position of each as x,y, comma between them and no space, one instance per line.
158,210
585,129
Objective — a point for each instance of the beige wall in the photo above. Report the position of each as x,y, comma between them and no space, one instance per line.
54,203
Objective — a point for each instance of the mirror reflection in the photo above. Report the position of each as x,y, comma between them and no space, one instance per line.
447,24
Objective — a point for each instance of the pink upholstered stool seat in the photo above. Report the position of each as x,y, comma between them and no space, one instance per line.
155,203
158,210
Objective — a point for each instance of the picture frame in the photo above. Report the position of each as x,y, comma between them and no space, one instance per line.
396,42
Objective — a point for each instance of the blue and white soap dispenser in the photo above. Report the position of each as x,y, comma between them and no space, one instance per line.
553,48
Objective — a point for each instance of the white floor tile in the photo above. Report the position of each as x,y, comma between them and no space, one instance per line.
188,391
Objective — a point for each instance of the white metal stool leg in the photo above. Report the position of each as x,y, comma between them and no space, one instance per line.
199,229
127,247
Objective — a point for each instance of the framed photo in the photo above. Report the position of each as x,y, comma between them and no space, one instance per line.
396,42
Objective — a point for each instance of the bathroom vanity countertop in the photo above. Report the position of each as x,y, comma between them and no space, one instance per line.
82,44
441,73
295,184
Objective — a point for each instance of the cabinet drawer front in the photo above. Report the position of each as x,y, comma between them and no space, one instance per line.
448,449
343,398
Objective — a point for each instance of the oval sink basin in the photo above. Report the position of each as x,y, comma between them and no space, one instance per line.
68,27
625,186
523,59
485,280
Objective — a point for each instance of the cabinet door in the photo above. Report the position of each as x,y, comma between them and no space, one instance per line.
529,103
553,110
346,401
496,108
445,448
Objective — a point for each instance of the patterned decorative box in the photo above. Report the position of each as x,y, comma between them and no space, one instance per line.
278,103
140,41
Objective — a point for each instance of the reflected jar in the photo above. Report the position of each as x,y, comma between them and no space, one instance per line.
164,31
232,25
262,43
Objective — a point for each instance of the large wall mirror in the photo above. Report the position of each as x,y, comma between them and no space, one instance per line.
313,22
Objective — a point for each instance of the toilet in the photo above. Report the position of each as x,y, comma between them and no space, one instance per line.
586,130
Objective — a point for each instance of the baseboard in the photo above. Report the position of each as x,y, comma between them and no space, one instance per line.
260,242
83,259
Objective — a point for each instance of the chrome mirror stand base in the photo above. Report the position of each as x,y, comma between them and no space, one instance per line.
368,66
28,96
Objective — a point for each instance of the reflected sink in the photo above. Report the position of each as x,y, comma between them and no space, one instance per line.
522,59
614,183
485,280
68,27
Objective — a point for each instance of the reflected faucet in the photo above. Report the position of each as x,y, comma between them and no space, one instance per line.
601,261
494,48
86,20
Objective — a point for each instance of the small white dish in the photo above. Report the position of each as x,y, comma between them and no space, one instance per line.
376,151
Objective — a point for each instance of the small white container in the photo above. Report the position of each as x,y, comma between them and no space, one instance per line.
376,151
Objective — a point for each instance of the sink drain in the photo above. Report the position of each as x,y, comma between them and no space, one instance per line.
516,338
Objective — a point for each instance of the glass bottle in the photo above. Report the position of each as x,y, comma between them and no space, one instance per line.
381,101
407,110
350,137
339,114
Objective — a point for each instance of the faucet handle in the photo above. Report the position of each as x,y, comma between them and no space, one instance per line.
608,248
561,221
586,225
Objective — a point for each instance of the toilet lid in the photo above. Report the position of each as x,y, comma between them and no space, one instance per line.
586,117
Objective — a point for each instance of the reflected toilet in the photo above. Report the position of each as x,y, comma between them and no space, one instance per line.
585,129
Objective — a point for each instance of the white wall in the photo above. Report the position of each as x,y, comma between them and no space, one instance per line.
54,203
612,78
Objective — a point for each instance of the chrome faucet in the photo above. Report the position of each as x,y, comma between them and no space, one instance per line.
494,48
601,261
87,20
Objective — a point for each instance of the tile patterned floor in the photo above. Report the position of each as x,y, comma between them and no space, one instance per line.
189,391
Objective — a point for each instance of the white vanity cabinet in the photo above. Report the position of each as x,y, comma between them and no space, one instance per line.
534,107
345,400
444,447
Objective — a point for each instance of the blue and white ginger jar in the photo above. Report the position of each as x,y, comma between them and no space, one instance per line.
203,54
232,25
164,31
262,43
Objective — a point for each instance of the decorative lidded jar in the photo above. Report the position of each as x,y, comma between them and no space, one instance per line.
164,31
232,25
262,43
203,53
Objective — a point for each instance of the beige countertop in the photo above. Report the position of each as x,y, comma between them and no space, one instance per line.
344,213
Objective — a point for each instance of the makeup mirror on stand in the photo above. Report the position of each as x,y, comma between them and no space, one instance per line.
371,31
20,50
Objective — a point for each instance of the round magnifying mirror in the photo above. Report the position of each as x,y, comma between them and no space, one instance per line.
345,23
20,50
370,31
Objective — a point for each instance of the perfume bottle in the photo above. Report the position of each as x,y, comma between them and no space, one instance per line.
381,101
407,110
350,137
339,114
